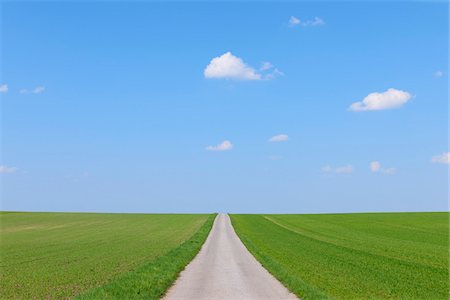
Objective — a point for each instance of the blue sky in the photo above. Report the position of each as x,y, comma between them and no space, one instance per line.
232,107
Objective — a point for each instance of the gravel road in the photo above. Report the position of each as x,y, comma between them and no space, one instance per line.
224,269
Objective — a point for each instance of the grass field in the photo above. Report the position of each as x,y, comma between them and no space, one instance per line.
349,256
61,255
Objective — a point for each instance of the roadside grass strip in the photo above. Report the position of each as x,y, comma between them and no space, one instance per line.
151,280
353,256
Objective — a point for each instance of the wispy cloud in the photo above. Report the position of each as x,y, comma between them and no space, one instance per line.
6,169
338,170
36,90
228,66
389,99
279,138
375,167
443,158
224,146
273,74
3,88
266,66
438,74
294,21
269,71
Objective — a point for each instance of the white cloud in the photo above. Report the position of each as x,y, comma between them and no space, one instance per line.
438,74
279,138
375,166
338,170
3,88
389,99
275,73
224,146
293,21
36,90
6,169
443,158
228,66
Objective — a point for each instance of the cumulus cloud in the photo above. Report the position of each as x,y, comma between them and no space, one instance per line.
6,169
232,67
228,66
389,99
338,170
224,146
36,90
375,166
293,21
279,138
3,88
438,74
443,158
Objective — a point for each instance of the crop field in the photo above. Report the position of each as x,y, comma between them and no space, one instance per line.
348,256
63,255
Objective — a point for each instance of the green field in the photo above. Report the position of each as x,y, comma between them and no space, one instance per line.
61,255
350,256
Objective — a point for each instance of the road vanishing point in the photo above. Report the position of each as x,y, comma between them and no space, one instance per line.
225,269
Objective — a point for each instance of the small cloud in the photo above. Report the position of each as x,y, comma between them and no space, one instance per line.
438,74
3,88
268,71
279,138
443,158
228,66
275,73
338,170
316,22
224,146
293,21
37,90
266,66
389,99
375,166
6,169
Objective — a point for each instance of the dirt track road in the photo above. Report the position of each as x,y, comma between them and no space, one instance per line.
224,269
